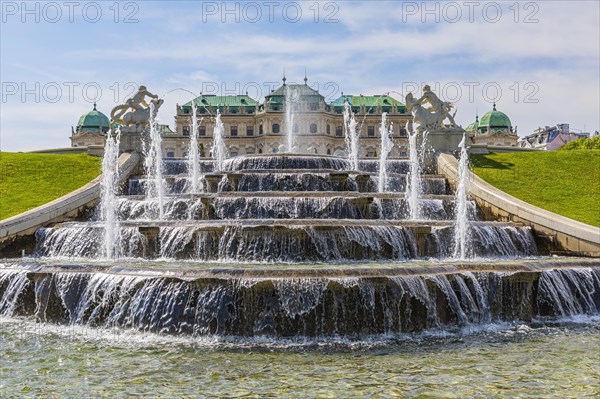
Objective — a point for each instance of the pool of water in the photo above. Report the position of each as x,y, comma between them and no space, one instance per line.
507,361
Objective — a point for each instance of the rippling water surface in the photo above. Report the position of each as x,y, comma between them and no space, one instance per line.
44,361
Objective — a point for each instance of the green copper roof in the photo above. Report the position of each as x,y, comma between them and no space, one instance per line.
368,101
473,126
494,119
301,90
94,118
222,101
165,129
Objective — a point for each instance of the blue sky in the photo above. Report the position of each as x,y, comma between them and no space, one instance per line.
539,60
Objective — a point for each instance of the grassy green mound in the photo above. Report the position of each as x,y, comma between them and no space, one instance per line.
564,182
582,144
30,180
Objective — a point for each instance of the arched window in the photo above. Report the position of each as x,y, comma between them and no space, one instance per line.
328,129
275,128
313,127
328,151
260,129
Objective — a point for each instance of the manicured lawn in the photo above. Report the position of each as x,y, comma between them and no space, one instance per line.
564,182
30,180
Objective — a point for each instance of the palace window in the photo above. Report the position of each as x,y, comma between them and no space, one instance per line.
260,129
275,128
328,151
233,153
249,130
234,131
201,130
186,130
371,153
403,132
171,154
371,131
313,127
328,129
339,131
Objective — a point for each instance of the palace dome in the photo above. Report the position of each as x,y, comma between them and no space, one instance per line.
93,119
473,126
495,120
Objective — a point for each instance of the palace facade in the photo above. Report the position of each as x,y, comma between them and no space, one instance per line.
253,127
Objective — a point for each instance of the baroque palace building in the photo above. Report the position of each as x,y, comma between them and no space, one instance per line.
252,127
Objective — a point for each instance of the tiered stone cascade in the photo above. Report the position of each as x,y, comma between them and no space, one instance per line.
282,208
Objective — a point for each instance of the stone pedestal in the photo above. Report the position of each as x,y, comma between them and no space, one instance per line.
440,140
132,139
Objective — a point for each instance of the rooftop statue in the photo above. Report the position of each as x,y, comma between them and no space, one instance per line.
432,117
135,111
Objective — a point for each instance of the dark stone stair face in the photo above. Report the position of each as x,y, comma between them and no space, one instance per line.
355,307
286,240
298,181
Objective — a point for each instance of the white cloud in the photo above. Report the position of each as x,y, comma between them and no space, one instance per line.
370,51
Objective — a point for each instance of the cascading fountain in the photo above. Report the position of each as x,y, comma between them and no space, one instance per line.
290,98
193,155
278,252
355,263
153,163
386,148
219,152
462,228
108,195
352,136
414,186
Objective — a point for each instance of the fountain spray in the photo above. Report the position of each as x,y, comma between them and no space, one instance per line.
386,147
153,164
351,136
108,195
193,155
461,224
289,120
414,185
219,151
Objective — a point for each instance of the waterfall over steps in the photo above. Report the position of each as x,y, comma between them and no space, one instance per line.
275,212
283,307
